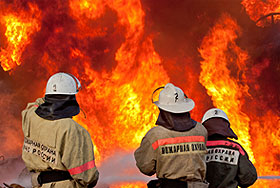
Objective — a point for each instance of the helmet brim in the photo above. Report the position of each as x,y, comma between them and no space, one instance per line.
216,116
186,106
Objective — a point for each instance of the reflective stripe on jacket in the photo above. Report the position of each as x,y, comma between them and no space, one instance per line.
58,145
173,154
228,165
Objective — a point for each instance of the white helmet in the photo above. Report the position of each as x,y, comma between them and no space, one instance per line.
212,113
63,83
173,99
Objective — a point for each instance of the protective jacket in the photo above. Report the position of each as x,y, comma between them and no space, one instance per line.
228,164
173,154
58,145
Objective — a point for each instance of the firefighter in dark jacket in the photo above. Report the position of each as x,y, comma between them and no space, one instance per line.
175,149
57,150
228,164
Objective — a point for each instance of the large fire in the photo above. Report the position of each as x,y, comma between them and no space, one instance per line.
219,51
116,51
20,25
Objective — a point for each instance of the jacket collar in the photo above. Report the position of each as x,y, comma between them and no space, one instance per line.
175,121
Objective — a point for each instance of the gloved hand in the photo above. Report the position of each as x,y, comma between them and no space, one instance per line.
92,184
34,179
153,184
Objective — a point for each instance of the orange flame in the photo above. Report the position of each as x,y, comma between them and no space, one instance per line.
258,8
88,8
129,185
125,92
262,125
267,136
19,28
219,51
266,183
117,100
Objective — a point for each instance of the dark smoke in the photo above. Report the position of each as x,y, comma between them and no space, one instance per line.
265,68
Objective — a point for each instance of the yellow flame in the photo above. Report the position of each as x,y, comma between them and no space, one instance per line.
266,183
219,51
129,185
90,8
124,94
19,28
267,139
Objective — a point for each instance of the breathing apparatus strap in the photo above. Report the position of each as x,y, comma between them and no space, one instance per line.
162,87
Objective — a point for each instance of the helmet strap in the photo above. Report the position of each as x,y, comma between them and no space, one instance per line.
162,87
78,84
155,91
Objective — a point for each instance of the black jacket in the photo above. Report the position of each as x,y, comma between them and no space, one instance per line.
228,164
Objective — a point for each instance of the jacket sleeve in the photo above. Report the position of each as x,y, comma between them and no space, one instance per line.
78,157
145,157
247,174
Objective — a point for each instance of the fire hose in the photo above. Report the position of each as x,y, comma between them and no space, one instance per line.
2,159
12,186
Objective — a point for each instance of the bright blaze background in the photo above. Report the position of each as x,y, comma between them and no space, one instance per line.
226,91
19,27
108,46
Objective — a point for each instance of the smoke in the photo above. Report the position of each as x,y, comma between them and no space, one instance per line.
12,170
11,136
117,169
264,70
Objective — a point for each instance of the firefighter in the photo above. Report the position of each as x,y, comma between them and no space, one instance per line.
57,150
228,164
175,149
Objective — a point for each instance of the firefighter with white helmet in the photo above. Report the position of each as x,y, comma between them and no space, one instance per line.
175,149
62,84
228,164
57,150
